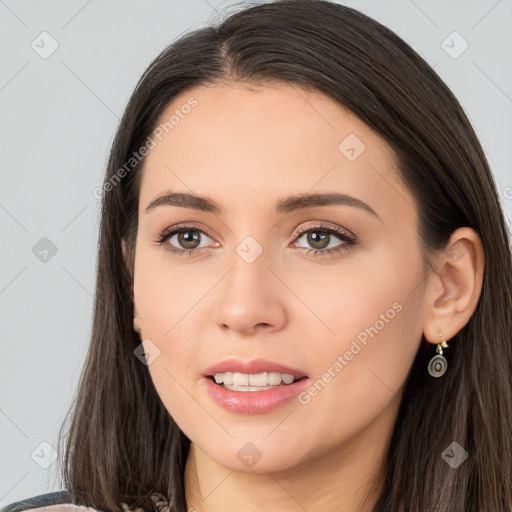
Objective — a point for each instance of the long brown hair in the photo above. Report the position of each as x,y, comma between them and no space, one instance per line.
122,444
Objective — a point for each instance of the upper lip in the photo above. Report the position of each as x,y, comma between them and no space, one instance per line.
251,367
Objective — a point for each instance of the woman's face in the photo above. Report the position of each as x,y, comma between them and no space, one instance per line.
245,284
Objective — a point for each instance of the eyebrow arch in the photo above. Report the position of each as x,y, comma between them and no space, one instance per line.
286,205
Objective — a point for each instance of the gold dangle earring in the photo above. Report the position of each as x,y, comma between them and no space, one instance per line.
438,364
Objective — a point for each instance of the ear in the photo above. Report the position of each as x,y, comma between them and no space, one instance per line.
455,286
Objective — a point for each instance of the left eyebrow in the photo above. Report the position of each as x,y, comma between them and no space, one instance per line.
301,201
286,205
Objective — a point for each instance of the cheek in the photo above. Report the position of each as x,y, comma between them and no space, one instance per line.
174,372
165,301
378,330
165,293
170,316
171,376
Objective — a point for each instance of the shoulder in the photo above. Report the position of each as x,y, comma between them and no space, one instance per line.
58,501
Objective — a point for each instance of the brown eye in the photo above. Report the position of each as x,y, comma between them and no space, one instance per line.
187,239
318,239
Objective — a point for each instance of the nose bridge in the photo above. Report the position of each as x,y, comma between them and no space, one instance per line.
250,266
249,295
250,250
250,239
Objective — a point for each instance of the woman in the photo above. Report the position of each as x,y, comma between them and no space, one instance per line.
304,285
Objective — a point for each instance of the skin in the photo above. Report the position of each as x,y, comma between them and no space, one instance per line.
247,147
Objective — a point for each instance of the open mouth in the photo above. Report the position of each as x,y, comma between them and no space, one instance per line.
238,384
257,393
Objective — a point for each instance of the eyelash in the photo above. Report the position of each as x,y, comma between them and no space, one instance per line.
349,239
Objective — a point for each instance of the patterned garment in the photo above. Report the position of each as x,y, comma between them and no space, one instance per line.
60,501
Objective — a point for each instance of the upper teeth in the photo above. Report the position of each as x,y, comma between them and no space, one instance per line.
253,379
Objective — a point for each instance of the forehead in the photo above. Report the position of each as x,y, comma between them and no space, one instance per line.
244,144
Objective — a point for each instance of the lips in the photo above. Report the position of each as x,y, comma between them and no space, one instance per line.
253,402
252,367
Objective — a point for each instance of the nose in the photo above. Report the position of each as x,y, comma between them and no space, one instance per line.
251,298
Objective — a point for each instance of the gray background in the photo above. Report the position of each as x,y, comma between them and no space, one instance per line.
58,118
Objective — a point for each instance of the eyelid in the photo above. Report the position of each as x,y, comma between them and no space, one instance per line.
186,225
325,225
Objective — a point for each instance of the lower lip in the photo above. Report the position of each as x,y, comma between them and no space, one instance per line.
254,402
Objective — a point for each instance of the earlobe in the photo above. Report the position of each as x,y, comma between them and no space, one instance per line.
455,286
